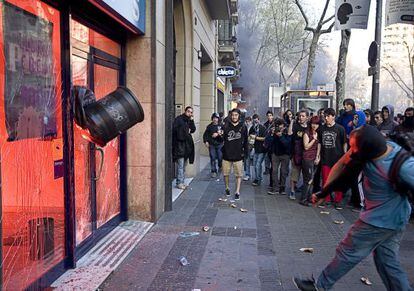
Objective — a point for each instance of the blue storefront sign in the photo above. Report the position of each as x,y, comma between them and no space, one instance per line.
131,13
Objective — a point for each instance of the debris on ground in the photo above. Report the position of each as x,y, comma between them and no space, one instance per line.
307,250
223,199
324,212
206,228
233,205
366,281
235,227
183,261
338,221
189,233
243,210
232,201
218,180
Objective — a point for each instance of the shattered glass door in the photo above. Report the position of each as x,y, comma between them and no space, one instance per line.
31,146
95,64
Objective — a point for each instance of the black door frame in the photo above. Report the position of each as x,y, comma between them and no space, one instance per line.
87,14
95,56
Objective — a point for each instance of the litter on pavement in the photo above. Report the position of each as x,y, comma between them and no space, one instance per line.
307,250
338,221
189,233
366,281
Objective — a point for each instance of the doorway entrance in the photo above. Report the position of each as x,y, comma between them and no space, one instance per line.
96,64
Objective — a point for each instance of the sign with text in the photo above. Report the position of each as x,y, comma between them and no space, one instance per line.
351,14
130,13
399,11
30,87
227,72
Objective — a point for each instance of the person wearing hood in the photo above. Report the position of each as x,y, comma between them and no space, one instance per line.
408,122
183,144
381,222
351,118
213,140
388,124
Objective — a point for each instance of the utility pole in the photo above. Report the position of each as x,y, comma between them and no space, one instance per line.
376,75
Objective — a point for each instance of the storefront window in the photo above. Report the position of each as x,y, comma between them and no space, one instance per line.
31,147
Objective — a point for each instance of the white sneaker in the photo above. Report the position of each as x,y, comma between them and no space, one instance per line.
246,178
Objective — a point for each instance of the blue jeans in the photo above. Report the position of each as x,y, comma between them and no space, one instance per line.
258,161
216,157
361,240
247,163
180,171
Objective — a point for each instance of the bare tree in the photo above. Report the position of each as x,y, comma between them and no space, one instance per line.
316,31
341,68
396,76
284,44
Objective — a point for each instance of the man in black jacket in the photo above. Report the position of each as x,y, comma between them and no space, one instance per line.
234,149
183,144
213,140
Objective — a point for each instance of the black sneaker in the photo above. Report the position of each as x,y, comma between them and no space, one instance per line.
255,183
305,284
228,192
237,196
282,191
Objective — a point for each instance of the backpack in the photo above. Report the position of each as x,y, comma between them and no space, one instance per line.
406,141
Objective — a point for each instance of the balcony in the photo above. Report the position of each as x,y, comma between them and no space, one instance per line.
234,6
219,9
235,18
227,42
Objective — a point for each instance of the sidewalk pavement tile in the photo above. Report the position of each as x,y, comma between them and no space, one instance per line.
261,253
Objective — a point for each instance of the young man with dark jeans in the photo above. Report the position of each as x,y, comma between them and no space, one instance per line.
268,124
214,142
382,220
296,130
183,145
258,133
333,146
234,150
281,144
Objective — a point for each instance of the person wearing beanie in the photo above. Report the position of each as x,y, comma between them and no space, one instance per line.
382,220
213,140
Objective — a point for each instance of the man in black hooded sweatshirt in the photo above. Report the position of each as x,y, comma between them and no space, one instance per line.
388,125
235,148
